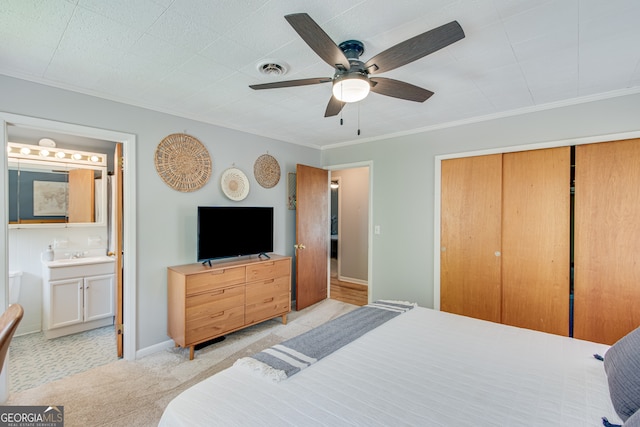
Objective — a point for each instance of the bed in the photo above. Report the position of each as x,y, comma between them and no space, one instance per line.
422,368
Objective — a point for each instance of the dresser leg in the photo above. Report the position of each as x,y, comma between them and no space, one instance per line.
191,349
284,319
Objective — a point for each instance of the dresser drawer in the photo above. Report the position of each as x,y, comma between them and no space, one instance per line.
268,270
267,299
214,301
215,279
217,323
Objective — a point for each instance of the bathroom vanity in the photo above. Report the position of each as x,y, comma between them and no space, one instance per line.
78,295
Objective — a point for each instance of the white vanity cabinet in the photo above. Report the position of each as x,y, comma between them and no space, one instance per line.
78,296
98,297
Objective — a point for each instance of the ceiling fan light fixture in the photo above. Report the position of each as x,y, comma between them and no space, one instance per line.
351,87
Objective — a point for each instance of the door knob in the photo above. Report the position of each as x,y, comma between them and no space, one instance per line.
299,246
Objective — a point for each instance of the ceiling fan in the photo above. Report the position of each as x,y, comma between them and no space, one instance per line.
351,80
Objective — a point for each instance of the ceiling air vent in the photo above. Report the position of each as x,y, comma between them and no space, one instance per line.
272,68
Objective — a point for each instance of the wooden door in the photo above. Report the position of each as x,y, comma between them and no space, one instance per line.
312,235
470,236
81,195
117,233
535,239
607,240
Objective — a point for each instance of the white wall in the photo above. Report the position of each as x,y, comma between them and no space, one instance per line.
403,184
353,223
166,219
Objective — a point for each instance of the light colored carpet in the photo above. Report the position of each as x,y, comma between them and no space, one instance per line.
135,393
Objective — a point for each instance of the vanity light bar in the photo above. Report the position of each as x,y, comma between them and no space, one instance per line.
24,151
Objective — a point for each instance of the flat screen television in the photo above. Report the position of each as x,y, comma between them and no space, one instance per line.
226,231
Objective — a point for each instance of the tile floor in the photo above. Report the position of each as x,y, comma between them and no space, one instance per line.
34,360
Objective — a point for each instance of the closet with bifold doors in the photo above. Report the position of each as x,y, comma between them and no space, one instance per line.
519,246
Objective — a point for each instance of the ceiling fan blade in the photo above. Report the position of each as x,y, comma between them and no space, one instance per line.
398,89
291,83
333,107
318,40
415,48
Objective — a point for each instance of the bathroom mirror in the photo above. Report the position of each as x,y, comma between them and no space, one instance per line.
56,192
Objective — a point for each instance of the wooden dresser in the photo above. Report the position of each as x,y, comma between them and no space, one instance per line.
207,302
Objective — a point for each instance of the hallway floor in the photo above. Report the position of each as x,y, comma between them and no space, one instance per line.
351,293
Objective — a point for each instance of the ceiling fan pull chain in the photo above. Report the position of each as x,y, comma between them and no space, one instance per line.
358,119
341,121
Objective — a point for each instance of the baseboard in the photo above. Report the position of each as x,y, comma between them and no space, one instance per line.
26,329
351,280
154,349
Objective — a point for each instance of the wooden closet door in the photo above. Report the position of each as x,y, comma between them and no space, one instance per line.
81,195
470,236
535,239
607,240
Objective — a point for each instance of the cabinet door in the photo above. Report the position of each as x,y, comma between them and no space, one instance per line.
99,296
65,302
470,236
535,239
81,195
607,240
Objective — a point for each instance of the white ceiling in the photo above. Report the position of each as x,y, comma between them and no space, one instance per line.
196,58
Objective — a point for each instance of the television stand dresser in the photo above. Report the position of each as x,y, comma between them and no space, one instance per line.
205,302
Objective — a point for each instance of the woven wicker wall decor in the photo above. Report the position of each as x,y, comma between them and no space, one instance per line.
235,184
267,171
183,162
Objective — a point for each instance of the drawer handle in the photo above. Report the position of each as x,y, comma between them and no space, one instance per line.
268,300
216,272
217,292
213,316
269,281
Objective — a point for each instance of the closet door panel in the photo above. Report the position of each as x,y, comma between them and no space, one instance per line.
607,240
535,239
470,236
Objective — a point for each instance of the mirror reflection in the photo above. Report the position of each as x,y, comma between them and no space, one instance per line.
53,187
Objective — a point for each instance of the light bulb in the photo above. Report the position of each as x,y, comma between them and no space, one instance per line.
351,88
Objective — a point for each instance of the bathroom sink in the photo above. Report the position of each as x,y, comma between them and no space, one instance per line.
66,262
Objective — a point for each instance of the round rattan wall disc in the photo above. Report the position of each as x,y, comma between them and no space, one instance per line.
267,171
183,162
235,184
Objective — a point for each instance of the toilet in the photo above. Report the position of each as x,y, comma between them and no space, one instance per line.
14,286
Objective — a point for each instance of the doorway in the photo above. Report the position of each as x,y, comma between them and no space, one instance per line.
78,133
350,233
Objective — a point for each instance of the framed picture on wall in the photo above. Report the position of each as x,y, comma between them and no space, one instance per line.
49,198
291,191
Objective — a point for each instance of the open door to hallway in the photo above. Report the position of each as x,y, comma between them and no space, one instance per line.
312,237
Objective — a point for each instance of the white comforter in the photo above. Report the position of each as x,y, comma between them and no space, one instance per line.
422,368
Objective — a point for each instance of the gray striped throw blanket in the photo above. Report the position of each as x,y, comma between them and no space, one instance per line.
290,357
